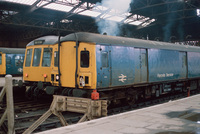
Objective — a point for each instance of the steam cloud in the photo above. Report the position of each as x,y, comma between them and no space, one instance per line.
167,29
108,26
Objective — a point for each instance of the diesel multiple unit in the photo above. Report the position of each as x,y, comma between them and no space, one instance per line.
117,67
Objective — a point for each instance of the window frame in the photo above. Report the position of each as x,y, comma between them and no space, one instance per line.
30,58
18,60
107,63
55,58
87,65
38,59
51,50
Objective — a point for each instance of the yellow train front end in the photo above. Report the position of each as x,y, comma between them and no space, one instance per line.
59,67
40,63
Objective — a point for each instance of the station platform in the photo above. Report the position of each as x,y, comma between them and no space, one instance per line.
174,117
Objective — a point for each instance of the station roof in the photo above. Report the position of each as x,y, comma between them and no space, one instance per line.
29,19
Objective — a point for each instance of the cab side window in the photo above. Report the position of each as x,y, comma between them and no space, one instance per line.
85,59
36,57
0,59
46,60
28,57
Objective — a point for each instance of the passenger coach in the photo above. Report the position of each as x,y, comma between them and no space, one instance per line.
118,67
11,61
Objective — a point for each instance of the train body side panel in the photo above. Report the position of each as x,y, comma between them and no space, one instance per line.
122,66
14,64
121,69
68,64
193,64
166,65
3,64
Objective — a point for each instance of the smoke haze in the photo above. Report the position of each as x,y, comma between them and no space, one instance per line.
171,25
108,26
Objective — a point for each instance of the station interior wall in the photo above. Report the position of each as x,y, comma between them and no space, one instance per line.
14,44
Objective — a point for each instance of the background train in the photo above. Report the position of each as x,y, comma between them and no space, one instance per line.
11,61
119,68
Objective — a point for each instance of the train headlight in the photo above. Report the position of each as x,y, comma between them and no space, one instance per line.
81,81
57,77
26,75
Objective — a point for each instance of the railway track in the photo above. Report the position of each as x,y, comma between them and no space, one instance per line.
27,112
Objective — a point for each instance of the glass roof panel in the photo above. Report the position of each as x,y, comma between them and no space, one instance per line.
113,14
198,12
136,23
26,2
59,7
90,13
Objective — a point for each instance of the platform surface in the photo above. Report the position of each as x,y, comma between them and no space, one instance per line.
174,117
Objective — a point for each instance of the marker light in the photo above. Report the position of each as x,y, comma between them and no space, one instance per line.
45,75
26,75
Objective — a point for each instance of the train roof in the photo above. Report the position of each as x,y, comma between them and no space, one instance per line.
12,50
45,40
124,41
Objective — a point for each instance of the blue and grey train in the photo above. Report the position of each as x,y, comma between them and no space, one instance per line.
11,61
117,67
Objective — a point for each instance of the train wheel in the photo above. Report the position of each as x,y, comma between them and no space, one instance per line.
36,93
29,93
132,99
70,92
65,92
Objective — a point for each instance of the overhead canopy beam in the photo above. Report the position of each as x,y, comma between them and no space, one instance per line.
35,7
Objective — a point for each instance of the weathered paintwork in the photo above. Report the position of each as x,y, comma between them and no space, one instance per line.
129,65
126,66
166,65
193,64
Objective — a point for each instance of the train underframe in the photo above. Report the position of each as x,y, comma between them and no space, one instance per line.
125,94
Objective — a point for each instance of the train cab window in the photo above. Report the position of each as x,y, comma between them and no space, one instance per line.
46,60
36,57
85,58
18,61
56,58
104,59
28,57
0,59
